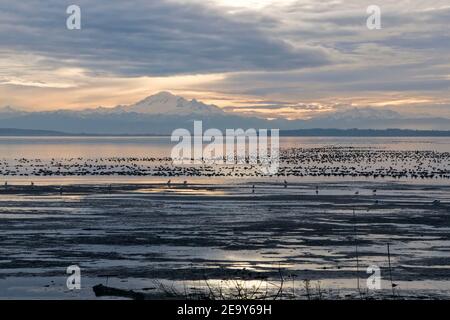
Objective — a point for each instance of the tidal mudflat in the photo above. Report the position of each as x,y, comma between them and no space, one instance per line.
315,239
310,231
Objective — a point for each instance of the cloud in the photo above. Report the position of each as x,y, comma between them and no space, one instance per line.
136,38
280,58
281,110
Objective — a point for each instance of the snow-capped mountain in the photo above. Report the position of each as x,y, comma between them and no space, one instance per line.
165,103
162,103
8,112
373,118
8,109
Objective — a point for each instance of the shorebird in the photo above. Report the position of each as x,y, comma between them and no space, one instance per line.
436,202
253,189
168,183
285,184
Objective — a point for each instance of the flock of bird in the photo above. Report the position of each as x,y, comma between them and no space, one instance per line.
297,162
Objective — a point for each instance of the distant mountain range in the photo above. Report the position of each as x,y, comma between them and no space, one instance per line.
11,132
163,112
24,132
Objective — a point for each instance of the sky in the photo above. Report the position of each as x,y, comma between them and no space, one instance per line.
270,58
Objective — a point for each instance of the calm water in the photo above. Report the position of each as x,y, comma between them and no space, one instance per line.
97,147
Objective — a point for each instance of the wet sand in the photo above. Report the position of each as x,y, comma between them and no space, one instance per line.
137,236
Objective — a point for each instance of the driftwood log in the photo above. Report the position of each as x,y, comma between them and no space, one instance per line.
104,291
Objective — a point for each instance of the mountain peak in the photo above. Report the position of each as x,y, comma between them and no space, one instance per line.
8,109
7,112
163,94
166,103
160,97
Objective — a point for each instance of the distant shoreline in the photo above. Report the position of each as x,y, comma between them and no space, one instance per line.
363,133
10,132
